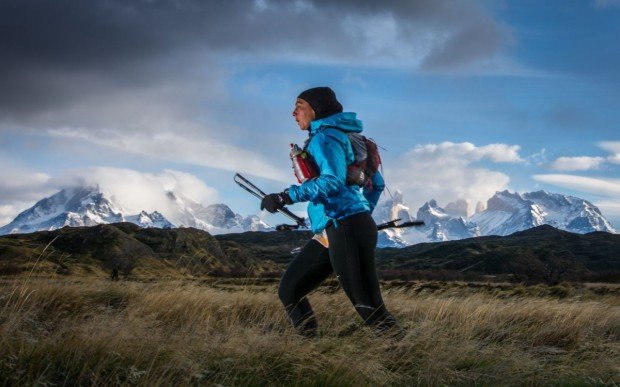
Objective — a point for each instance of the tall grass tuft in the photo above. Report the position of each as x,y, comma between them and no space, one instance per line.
85,332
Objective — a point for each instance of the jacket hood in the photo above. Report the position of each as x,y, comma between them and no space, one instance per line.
346,122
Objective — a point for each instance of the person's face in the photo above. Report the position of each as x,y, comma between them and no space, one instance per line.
303,113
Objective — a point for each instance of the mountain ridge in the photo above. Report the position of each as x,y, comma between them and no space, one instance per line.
505,213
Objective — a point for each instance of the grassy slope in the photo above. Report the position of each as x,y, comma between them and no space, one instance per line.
184,332
83,251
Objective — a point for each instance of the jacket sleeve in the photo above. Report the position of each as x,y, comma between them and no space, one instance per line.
373,194
330,157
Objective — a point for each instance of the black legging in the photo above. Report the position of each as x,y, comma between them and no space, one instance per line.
351,255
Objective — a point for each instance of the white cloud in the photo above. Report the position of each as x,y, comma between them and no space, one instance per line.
499,153
538,158
20,188
135,191
581,163
612,147
8,212
585,163
192,149
446,172
592,185
19,185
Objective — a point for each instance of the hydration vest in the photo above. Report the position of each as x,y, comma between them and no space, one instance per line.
360,172
367,160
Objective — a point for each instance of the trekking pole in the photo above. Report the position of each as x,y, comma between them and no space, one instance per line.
392,224
254,190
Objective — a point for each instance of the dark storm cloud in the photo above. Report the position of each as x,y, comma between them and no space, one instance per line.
472,42
55,53
465,31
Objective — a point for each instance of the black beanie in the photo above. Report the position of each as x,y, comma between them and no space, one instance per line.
323,101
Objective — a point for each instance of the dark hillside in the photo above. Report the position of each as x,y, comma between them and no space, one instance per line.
272,246
541,254
122,246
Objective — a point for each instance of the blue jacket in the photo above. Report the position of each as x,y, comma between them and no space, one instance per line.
329,195
316,212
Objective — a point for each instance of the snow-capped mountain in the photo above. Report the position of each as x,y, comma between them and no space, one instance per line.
215,218
389,210
505,214
392,209
87,206
145,220
440,224
444,226
69,207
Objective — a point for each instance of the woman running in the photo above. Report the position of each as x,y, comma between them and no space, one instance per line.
341,211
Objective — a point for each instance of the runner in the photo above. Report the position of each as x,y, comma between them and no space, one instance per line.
341,211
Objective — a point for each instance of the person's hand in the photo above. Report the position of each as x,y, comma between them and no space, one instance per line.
273,202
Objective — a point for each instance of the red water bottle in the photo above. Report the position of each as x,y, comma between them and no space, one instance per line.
303,167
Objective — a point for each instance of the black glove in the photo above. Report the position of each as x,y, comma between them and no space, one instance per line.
273,202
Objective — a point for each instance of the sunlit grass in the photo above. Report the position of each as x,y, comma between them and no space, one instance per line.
85,331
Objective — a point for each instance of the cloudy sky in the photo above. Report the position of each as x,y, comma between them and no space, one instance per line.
466,97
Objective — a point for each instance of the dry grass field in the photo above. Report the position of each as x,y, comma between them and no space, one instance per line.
234,332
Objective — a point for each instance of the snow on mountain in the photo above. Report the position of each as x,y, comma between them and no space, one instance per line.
396,208
442,225
570,213
254,223
69,207
391,238
145,220
505,213
83,206
215,218
439,224
388,210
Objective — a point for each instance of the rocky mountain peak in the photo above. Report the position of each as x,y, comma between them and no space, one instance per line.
505,201
431,213
88,206
398,197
